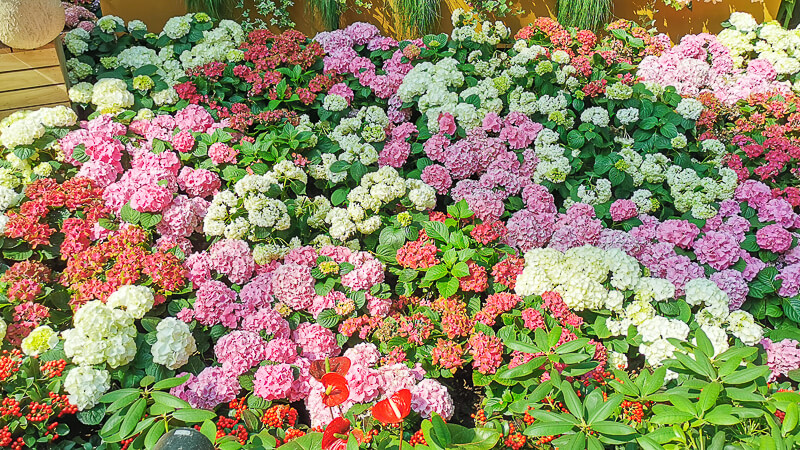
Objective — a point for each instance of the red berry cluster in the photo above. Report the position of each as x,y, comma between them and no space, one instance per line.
480,417
292,433
633,411
9,363
52,369
418,439
39,412
514,439
278,416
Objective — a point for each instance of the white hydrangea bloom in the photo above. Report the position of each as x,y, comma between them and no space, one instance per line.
136,300
174,343
86,385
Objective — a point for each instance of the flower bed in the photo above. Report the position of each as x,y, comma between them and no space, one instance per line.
482,240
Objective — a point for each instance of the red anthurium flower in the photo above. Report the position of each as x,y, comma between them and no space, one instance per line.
338,365
393,409
336,434
336,391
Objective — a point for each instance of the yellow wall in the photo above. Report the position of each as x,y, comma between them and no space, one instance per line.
702,17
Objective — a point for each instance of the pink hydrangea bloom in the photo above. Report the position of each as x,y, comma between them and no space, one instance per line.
232,257
368,271
208,389
194,118
733,283
316,341
430,396
238,351
774,238
718,250
790,281
623,209
183,141
327,302
267,320
293,285
305,256
437,177
198,182
273,382
216,303
221,153
782,357
152,198
681,233
257,293
281,350
378,307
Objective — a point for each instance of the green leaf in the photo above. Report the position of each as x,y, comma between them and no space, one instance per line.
437,231
132,417
606,408
571,346
328,318
612,428
571,400
602,164
709,395
170,382
190,415
129,214
668,415
460,270
790,419
154,434
124,401
791,308
720,416
548,429
340,166
448,287
92,416
441,430
746,375
339,196
435,272
169,400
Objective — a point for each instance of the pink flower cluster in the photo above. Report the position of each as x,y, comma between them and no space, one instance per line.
700,63
782,357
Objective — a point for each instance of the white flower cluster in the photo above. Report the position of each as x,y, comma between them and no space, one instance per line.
249,207
86,385
218,44
24,127
136,57
595,115
135,300
353,134
627,116
103,333
591,278
431,83
690,108
178,27
693,193
553,166
464,29
747,40
174,343
111,96
77,41
376,190
600,194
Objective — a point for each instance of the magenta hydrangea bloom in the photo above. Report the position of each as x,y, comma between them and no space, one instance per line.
718,250
774,238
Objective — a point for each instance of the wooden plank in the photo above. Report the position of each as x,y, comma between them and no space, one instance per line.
8,112
23,79
31,59
34,96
